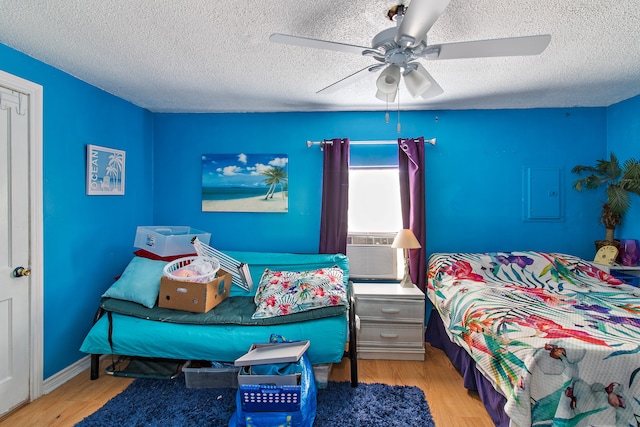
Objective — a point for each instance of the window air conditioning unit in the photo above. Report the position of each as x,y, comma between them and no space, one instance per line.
371,256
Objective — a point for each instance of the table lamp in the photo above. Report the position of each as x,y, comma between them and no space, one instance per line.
406,240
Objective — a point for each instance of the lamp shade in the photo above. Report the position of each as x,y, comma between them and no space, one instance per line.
406,240
416,82
388,97
389,79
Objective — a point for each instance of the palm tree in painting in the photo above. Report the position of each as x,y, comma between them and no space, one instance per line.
114,168
274,176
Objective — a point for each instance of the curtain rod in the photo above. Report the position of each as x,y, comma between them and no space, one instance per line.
431,141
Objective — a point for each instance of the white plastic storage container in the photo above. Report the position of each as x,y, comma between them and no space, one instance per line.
199,374
321,373
168,240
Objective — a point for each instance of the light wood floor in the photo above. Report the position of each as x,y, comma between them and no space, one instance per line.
450,403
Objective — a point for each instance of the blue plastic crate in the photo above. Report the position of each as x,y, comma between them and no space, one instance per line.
272,398
277,404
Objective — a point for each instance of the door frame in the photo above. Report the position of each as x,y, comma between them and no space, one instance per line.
36,250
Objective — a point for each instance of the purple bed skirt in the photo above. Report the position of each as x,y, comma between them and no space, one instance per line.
473,380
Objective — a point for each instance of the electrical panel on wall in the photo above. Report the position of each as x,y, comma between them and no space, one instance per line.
542,198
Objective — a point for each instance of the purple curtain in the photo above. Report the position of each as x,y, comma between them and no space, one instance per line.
335,197
412,198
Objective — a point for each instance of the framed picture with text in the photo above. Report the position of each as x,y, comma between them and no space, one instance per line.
105,171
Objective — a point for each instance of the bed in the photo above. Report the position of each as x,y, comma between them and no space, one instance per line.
545,338
129,322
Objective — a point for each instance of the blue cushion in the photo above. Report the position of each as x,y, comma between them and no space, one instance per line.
139,283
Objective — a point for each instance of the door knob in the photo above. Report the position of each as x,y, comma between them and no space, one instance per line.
21,271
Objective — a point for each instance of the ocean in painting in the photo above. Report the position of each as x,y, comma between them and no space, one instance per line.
232,193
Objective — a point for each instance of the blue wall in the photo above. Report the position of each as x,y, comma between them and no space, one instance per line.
475,179
87,239
474,174
623,139
474,182
181,139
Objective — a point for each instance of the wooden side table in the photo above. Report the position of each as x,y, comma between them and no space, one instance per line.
391,321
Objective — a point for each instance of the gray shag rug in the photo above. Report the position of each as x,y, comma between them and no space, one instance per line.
169,403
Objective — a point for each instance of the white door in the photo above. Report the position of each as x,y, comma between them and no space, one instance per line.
14,249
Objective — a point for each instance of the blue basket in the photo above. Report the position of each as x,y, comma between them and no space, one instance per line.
278,405
272,398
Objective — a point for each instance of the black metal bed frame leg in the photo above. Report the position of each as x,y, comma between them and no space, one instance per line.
95,366
353,349
95,358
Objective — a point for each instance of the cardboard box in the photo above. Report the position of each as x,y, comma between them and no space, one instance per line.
193,296
168,240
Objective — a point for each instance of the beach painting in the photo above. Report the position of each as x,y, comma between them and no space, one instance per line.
245,183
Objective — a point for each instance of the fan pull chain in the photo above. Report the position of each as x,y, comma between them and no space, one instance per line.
386,114
399,128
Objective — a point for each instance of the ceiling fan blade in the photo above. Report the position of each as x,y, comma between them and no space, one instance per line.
512,46
334,87
435,89
316,44
418,20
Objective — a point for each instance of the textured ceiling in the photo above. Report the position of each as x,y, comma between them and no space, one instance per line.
206,56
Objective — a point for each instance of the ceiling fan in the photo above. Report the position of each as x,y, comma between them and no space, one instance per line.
397,50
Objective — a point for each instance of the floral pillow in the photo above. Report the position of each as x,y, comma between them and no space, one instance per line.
286,292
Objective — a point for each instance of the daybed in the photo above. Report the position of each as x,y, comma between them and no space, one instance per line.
131,323
546,339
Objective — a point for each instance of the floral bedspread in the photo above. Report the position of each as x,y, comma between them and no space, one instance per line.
558,337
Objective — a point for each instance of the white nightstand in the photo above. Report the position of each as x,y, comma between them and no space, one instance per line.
391,321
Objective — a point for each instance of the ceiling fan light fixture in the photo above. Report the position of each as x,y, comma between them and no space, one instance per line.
389,79
393,49
416,82
387,97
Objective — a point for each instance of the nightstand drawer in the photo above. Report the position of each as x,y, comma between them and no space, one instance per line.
386,335
401,310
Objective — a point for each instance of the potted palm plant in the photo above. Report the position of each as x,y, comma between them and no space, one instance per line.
619,182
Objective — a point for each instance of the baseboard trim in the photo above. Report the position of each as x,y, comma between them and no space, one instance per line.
56,380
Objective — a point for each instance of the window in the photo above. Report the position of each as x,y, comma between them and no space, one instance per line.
375,214
374,189
374,200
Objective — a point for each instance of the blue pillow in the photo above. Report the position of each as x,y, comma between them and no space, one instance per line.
140,282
